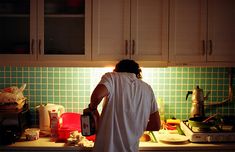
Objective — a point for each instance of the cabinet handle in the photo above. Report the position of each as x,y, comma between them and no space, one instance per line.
126,47
39,46
210,47
32,47
133,47
203,47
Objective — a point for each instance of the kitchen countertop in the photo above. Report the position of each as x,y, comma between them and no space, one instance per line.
45,144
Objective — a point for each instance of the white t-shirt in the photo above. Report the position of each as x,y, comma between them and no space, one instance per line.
125,117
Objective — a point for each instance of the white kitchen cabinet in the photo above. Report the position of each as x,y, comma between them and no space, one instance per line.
221,30
15,30
47,30
202,31
136,29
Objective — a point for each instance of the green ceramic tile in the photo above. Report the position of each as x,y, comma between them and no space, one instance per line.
69,81
69,105
50,74
72,87
13,80
81,99
56,75
191,70
69,75
50,99
62,93
63,99
56,98
62,81
179,70
69,93
69,99
62,86
62,74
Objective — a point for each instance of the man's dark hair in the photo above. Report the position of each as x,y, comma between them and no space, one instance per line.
129,66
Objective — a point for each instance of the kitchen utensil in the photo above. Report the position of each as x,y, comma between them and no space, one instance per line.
197,109
207,119
44,118
198,122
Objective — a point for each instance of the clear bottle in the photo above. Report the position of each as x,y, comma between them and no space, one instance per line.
161,106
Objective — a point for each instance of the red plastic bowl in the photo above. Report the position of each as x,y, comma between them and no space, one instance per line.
70,122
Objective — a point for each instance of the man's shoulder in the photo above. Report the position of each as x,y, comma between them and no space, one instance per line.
144,84
107,74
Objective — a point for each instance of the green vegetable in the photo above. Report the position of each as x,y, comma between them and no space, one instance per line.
179,130
153,136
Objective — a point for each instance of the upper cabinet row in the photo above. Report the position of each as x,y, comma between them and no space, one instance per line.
173,32
202,31
45,30
136,29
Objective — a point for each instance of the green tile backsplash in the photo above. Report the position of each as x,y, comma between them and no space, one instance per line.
72,87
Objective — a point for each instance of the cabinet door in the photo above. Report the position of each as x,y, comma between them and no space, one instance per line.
149,30
111,29
221,30
187,31
64,30
17,30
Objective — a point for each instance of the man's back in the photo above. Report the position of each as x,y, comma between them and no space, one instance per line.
125,117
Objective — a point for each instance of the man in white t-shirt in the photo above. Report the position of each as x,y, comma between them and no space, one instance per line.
129,109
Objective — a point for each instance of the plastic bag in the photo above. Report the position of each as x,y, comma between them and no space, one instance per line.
12,94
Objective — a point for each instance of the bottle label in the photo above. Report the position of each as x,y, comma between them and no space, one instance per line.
87,125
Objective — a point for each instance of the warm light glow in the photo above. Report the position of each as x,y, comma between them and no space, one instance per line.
147,74
107,69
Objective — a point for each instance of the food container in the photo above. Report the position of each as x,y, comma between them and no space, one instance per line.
69,122
32,134
54,122
44,116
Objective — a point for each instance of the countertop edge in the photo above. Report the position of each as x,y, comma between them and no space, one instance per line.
44,144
